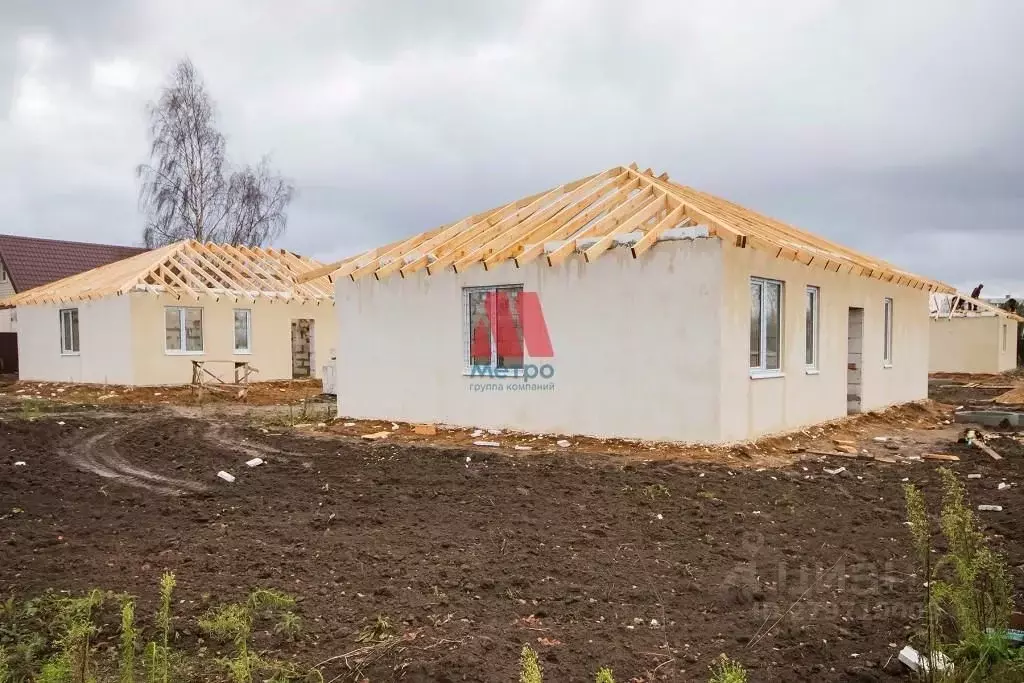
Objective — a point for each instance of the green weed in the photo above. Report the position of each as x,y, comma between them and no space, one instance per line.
726,670
158,653
234,623
968,592
128,636
529,666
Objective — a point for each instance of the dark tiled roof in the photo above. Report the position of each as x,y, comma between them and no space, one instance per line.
31,261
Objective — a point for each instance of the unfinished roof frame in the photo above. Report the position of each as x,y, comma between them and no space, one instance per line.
979,305
193,269
592,214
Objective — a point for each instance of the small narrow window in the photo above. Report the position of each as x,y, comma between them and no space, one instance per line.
69,331
243,330
494,329
887,350
811,350
183,329
1004,336
765,325
3,273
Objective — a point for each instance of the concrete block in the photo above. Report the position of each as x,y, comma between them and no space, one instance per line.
990,418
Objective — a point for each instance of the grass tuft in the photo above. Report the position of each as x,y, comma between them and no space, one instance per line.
726,670
529,666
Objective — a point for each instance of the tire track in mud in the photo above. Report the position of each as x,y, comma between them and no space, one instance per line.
101,454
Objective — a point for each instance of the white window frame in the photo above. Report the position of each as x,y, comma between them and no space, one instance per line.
182,333
468,366
76,332
887,316
763,370
248,331
814,299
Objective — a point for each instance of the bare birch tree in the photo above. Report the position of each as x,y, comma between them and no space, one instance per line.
188,190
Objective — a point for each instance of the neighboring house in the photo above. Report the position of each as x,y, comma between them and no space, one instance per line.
143,320
625,305
969,335
27,262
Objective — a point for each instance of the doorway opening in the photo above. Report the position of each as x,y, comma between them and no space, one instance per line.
854,360
302,348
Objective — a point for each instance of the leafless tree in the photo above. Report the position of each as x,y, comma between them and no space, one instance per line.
258,202
188,190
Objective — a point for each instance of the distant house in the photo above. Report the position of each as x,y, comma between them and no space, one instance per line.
626,305
973,336
27,262
144,319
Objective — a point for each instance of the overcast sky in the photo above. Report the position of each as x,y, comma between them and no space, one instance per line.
893,127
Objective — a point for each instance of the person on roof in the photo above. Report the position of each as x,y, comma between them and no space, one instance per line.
975,293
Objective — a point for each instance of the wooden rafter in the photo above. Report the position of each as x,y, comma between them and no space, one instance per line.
598,227
609,206
191,269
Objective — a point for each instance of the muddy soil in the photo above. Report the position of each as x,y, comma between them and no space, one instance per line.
960,395
652,568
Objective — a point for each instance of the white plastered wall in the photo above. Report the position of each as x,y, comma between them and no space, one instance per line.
105,343
8,316
755,407
976,344
636,344
271,337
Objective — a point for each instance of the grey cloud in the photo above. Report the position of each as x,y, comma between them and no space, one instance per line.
892,127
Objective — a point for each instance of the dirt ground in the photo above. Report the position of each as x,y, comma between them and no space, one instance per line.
257,394
650,564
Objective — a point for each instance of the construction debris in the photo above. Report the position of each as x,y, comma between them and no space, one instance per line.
941,456
986,449
990,508
563,443
229,478
20,463
915,662
1003,485
974,476
835,471
255,462
491,444
376,435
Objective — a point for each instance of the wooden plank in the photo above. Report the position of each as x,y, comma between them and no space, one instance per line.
481,237
608,204
572,193
941,456
644,214
647,241
531,245
394,255
986,449
620,212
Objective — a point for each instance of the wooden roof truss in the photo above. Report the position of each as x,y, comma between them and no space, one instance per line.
960,306
622,206
192,269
